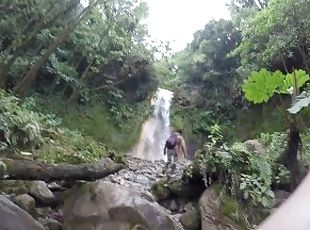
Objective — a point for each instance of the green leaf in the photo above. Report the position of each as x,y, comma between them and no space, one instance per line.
301,78
262,85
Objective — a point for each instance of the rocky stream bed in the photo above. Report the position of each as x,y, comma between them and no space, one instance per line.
143,195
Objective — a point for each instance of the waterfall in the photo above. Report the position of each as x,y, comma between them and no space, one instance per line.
156,129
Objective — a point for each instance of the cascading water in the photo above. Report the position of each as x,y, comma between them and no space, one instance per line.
156,129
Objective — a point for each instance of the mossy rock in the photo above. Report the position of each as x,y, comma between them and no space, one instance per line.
176,187
222,208
190,220
25,202
160,190
16,187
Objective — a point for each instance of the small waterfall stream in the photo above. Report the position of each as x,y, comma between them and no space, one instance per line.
156,129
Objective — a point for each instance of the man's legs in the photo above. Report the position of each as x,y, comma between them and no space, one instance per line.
170,158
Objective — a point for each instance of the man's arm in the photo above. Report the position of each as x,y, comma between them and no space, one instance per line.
183,146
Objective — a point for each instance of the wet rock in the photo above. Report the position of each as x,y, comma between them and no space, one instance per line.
14,218
102,203
25,202
42,193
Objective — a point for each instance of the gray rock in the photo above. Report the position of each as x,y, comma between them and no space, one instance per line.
42,193
190,220
211,205
50,224
14,218
55,187
177,216
97,204
25,202
190,206
148,196
43,212
142,180
171,205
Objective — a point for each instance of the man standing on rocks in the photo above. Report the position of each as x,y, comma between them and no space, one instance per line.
175,147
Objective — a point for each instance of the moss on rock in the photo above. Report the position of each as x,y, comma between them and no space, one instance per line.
160,190
190,220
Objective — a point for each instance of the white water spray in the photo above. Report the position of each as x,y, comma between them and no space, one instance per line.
156,129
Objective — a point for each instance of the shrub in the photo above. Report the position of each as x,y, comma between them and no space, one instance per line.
247,175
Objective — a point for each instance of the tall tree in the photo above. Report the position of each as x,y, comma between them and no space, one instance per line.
24,85
21,41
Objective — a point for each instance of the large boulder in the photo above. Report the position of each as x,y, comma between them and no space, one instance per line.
218,211
40,191
14,218
25,202
190,220
100,204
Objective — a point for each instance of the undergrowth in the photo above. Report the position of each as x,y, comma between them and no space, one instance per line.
23,129
118,125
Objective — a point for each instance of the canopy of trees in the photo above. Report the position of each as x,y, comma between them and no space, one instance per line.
270,34
73,49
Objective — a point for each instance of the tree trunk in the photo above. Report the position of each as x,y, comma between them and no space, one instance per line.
284,65
76,91
74,95
35,170
289,158
304,58
4,74
22,41
25,84
53,85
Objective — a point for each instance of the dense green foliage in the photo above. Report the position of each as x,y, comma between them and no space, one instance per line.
211,69
76,79
262,85
23,130
86,62
244,78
